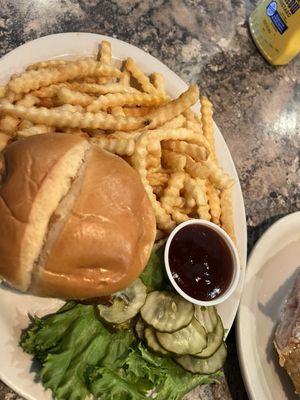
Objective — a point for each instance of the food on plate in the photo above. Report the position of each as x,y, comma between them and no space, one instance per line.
201,262
204,365
287,335
125,304
127,113
76,221
167,312
99,162
80,357
83,351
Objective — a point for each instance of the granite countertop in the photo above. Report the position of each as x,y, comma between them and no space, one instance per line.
257,106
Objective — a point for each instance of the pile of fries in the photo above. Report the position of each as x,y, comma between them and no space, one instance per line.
127,113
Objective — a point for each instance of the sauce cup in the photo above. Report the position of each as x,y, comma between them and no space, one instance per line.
232,250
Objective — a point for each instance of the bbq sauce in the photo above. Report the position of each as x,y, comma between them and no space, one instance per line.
200,262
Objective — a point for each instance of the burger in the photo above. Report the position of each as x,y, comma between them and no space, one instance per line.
75,220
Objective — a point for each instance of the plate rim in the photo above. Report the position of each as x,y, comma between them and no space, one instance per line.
244,366
141,52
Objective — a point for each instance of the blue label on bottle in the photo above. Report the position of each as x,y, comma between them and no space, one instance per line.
275,17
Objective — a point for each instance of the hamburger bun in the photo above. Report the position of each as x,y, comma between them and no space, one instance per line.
76,221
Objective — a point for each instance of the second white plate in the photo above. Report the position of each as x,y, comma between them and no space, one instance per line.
271,271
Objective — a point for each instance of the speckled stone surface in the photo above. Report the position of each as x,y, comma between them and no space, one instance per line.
257,107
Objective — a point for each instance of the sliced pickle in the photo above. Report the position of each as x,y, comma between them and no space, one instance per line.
189,340
204,365
214,340
166,311
207,316
126,303
153,343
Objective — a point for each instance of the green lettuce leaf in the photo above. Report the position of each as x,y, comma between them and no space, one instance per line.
66,342
144,375
153,274
80,357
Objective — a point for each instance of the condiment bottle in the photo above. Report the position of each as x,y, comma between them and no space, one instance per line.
275,28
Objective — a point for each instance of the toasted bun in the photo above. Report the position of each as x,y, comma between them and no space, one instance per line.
76,221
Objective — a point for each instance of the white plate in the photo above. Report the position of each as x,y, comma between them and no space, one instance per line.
15,366
270,273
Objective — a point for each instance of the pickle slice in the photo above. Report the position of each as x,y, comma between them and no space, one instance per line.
153,343
214,340
204,365
207,316
189,340
166,311
126,303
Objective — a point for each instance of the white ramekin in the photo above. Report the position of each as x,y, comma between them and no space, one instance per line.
235,257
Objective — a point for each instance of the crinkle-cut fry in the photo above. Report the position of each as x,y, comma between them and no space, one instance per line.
194,126
158,190
173,161
102,80
47,64
104,58
50,91
191,116
154,150
158,82
171,195
196,189
49,102
105,52
196,169
68,96
32,80
9,124
226,217
178,216
213,195
61,118
4,140
125,99
95,88
117,111
125,78
24,124
10,96
35,130
152,163
137,111
3,90
207,123
122,147
139,160
89,79
157,178
189,199
28,100
174,108
217,176
177,122
198,153
139,75
162,134
70,108
203,209
125,135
